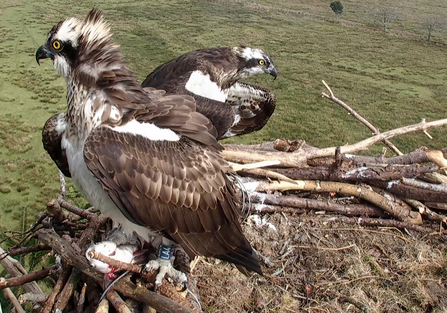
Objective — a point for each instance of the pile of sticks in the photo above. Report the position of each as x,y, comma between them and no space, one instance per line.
407,191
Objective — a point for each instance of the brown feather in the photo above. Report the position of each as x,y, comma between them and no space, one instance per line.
51,140
150,196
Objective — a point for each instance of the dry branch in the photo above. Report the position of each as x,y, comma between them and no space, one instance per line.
12,298
391,206
354,113
281,201
299,158
21,280
125,287
399,192
15,269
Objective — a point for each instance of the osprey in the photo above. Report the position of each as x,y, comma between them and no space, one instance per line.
212,77
147,160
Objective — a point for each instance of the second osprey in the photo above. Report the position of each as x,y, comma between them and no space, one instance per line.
212,77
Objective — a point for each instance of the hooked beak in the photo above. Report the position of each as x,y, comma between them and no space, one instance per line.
272,71
43,53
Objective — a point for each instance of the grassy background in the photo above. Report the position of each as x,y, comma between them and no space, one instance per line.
392,79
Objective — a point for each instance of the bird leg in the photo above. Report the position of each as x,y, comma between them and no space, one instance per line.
164,265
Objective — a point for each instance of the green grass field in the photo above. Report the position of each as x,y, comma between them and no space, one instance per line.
392,79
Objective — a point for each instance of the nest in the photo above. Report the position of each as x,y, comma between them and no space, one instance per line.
284,178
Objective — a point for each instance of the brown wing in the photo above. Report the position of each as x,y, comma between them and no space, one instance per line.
252,105
51,139
179,188
173,75
176,187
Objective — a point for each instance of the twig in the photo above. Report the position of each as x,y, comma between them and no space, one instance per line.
239,167
118,303
393,208
15,303
21,280
327,249
26,250
354,113
311,204
437,157
165,289
420,184
67,291
124,286
437,206
266,173
57,288
33,298
81,302
103,306
397,188
365,221
425,211
14,268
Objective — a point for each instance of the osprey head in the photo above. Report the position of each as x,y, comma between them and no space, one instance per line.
255,61
62,45
73,42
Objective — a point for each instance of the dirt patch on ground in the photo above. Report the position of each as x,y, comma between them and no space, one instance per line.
314,266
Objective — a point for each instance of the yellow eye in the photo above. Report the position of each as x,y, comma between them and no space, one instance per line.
57,45
261,62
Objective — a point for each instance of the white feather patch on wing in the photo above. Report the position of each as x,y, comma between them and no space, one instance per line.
201,85
147,130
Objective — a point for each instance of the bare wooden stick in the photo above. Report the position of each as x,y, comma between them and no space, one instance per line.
299,158
118,303
21,280
57,288
12,298
437,206
366,221
81,302
33,298
14,268
165,289
25,250
67,291
401,213
103,306
423,185
311,204
124,286
355,114
425,211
